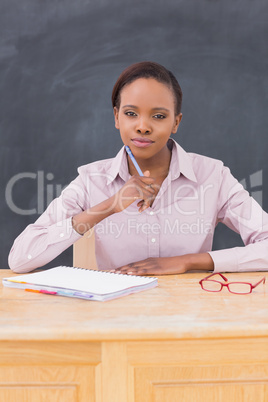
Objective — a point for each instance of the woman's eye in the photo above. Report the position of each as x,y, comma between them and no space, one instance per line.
159,116
130,113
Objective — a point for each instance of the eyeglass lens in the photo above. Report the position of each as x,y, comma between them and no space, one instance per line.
235,287
211,286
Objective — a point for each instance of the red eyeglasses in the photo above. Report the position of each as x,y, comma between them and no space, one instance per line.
239,288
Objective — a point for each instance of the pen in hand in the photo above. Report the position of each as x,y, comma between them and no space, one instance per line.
134,160
142,204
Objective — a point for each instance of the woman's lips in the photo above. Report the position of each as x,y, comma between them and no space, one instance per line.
142,142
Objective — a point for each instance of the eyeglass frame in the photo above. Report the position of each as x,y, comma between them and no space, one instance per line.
227,284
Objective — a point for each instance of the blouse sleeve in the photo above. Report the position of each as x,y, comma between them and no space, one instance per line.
241,213
52,232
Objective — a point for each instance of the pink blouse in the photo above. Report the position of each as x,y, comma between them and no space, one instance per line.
198,193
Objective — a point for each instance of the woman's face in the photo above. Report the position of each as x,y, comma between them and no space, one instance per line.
146,117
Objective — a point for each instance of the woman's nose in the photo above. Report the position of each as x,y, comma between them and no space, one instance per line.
143,127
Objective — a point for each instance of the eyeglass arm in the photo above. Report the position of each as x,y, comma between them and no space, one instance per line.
256,284
215,273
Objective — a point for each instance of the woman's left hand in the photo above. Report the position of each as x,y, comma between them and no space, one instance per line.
168,265
154,266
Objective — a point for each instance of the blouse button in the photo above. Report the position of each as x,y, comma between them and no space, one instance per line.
153,240
151,212
62,234
29,257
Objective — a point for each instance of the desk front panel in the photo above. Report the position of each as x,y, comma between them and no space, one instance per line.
49,371
220,370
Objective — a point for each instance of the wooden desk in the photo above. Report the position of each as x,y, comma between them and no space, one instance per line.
172,343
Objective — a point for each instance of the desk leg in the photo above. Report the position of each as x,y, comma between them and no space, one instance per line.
114,372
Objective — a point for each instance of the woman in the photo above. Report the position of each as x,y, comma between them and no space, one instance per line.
159,223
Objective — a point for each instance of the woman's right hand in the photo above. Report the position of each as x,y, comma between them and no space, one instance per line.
141,188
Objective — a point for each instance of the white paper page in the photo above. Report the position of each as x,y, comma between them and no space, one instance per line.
84,280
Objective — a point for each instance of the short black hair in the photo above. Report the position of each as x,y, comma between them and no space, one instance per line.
147,69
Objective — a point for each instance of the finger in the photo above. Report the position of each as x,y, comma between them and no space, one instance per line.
146,179
132,268
147,173
144,206
142,271
148,190
141,188
123,268
142,264
148,187
126,269
145,269
129,272
140,203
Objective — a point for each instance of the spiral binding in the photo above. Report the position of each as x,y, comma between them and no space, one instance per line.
107,272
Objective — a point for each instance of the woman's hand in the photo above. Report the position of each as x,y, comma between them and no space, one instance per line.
154,266
168,265
141,188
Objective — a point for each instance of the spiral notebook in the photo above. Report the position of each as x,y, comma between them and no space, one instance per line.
82,283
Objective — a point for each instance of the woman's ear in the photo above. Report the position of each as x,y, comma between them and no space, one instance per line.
177,123
116,120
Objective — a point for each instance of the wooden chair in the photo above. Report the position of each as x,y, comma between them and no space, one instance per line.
84,251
